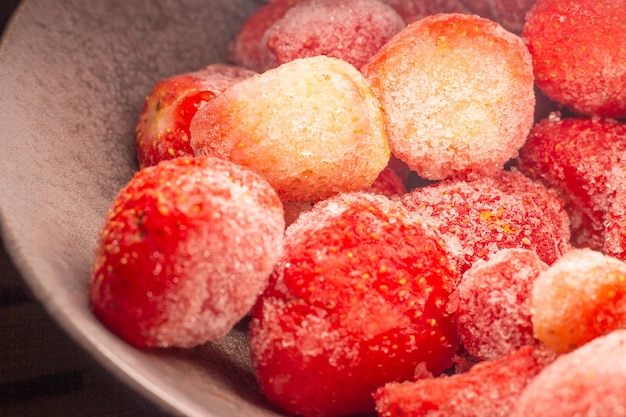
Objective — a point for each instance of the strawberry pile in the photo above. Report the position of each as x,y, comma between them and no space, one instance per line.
421,210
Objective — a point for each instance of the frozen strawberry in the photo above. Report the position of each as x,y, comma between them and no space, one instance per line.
488,389
245,49
577,157
185,250
492,303
414,10
358,300
588,382
352,30
580,297
458,95
579,55
615,220
163,129
312,127
388,183
478,218
511,14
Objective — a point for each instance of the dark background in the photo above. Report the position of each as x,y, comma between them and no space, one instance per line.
6,9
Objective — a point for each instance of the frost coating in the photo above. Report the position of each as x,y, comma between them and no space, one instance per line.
358,300
311,127
582,160
352,30
480,217
186,249
580,297
492,303
458,95
589,381
579,55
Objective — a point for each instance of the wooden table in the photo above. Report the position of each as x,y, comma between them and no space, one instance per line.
42,371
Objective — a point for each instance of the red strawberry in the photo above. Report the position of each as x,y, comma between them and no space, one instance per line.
245,50
488,389
588,382
163,128
577,157
358,300
414,10
185,250
615,221
511,14
352,30
492,303
579,55
479,217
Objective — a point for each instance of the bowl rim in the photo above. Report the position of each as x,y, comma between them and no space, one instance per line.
88,335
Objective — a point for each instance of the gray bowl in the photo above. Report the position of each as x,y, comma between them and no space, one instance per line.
73,77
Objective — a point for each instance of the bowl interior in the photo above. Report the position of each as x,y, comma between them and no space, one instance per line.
73,77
